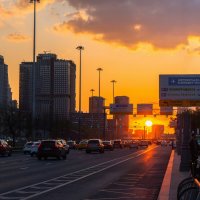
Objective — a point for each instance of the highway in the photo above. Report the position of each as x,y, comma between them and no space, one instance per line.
119,174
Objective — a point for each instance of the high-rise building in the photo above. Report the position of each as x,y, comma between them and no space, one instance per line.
96,104
5,90
122,120
54,86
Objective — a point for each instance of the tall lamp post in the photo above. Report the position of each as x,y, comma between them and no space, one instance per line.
99,69
80,49
113,82
92,91
33,69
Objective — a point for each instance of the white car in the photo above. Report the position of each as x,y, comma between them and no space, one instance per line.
65,145
27,148
34,148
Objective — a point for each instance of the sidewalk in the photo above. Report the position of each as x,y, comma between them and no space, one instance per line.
172,178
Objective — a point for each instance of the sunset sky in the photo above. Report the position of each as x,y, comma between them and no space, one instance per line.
132,40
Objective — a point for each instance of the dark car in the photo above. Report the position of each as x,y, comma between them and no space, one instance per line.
108,145
95,145
5,148
118,144
51,148
143,143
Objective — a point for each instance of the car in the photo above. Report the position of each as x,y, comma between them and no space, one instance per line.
34,148
158,142
127,143
65,145
108,145
95,145
82,144
72,144
163,143
133,144
5,148
51,148
27,148
144,143
118,144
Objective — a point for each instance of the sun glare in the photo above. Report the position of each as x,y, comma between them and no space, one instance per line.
148,123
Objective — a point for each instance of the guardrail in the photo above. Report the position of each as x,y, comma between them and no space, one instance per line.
189,189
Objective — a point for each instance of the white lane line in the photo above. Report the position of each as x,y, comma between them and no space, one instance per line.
25,192
131,156
40,188
24,168
88,175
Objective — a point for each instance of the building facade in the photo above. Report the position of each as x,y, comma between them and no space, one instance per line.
96,104
5,90
122,120
54,86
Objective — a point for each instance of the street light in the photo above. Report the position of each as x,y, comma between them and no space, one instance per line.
33,69
92,91
113,82
80,48
99,69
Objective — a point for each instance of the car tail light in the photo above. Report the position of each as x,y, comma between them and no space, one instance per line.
39,147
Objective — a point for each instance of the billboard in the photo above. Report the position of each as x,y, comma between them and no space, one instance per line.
121,109
144,109
166,110
179,90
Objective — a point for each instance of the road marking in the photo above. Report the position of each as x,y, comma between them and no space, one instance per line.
84,173
24,168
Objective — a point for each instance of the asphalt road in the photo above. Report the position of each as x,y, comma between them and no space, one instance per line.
119,174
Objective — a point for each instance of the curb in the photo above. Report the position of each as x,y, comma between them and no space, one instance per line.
165,188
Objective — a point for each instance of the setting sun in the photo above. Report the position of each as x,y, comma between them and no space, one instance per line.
148,123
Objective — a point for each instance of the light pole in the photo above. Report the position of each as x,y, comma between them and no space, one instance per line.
99,69
113,82
91,110
80,48
92,91
33,69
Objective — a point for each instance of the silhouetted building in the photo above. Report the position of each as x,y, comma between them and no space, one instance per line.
96,104
157,131
54,86
5,90
92,124
122,120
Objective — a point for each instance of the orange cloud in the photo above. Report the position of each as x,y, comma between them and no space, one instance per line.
21,7
164,25
16,37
